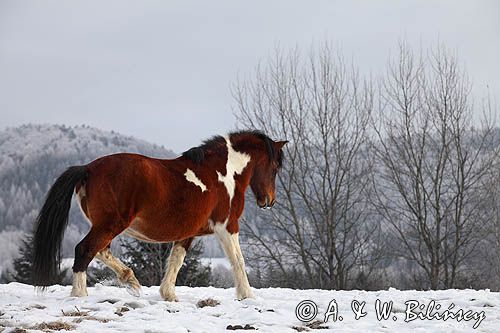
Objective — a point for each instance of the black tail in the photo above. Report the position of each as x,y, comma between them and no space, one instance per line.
50,226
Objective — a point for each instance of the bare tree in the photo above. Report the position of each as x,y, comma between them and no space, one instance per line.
429,182
319,233
485,265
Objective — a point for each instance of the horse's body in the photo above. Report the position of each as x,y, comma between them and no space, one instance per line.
155,200
155,204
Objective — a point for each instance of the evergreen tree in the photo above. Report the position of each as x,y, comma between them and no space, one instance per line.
149,262
100,273
21,266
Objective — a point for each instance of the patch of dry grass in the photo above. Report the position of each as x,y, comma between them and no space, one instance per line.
317,325
247,327
80,319
16,330
82,315
75,313
121,310
300,328
53,326
36,306
207,302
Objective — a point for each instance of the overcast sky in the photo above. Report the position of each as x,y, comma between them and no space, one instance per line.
161,70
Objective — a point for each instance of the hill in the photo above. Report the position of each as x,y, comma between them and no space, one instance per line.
32,156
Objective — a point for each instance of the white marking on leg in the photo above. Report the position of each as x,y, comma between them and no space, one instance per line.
191,177
167,287
236,163
79,284
123,273
231,246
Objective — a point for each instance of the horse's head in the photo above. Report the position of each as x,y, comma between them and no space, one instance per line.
266,168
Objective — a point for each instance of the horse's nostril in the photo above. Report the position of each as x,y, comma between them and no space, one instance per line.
267,202
262,203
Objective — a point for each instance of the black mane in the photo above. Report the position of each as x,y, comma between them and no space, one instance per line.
197,154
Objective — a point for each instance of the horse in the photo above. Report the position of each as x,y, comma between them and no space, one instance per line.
200,192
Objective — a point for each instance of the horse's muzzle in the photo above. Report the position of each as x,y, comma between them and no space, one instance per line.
267,203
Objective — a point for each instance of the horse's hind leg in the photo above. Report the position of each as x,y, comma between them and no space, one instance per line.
167,287
96,240
125,275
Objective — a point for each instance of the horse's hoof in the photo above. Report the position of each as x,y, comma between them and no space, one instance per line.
172,298
78,293
134,291
168,295
246,294
133,286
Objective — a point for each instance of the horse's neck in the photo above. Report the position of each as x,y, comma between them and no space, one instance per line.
242,181
241,177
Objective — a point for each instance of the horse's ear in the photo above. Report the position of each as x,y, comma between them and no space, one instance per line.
280,144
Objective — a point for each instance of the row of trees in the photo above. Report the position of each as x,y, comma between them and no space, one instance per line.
387,182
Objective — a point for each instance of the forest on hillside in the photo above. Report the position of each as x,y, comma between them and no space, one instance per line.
32,157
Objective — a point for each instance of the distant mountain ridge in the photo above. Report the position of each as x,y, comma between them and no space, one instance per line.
31,158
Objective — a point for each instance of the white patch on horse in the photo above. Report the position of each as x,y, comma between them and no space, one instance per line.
79,284
231,246
80,195
191,177
236,163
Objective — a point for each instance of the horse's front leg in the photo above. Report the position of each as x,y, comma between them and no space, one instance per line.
231,245
175,260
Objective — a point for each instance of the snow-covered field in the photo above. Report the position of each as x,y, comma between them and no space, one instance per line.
112,309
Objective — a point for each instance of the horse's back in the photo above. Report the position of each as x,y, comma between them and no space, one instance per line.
123,183
149,195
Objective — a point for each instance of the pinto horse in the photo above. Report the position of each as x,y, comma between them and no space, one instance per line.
155,200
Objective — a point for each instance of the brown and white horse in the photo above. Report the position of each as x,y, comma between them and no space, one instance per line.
154,200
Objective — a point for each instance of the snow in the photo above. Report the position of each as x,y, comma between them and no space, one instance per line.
112,309
216,262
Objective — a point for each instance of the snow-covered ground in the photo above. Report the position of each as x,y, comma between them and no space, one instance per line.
112,309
